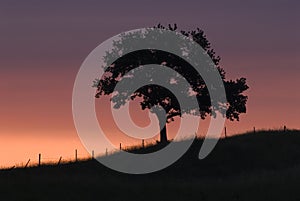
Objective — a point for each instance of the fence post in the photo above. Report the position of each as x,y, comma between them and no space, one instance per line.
284,128
120,146
254,129
93,154
40,158
27,163
76,159
225,132
143,143
59,160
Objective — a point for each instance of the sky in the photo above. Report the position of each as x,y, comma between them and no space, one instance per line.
43,44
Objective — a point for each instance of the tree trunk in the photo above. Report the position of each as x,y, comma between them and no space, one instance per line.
163,135
161,115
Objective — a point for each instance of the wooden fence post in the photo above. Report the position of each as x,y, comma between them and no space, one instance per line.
225,132
40,158
254,129
76,159
284,128
120,146
59,160
27,163
143,143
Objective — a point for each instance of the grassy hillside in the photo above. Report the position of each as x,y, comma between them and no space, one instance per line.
261,166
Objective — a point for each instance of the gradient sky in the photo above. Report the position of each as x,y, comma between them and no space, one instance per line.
43,44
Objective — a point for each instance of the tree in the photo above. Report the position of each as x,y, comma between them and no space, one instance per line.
153,95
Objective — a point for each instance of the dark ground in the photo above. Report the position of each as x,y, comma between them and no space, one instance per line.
261,166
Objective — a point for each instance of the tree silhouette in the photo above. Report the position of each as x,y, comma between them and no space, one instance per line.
155,95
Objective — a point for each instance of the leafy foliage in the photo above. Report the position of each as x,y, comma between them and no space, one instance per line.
157,95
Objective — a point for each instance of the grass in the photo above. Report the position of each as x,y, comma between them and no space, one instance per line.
257,166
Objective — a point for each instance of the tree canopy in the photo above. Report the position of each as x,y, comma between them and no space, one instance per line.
152,94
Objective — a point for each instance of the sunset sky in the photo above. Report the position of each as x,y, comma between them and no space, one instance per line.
43,44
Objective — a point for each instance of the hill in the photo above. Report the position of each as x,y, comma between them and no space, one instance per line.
256,166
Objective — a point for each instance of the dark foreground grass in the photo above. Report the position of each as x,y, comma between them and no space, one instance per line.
261,166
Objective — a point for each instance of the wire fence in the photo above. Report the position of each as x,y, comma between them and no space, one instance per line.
41,160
